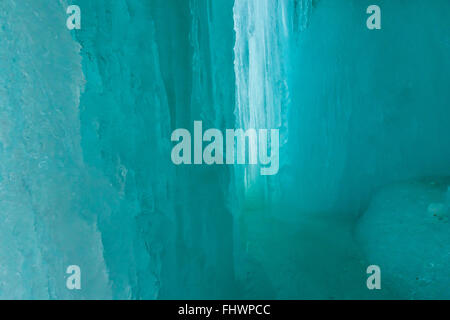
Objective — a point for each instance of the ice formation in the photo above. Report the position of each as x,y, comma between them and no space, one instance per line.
86,177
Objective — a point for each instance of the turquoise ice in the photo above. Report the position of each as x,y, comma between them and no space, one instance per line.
86,178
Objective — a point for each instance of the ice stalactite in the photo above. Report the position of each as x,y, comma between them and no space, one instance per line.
265,39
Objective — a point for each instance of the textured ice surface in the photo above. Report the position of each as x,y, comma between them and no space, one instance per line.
47,222
406,231
85,171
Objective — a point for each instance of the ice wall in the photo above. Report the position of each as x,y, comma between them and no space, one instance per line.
170,231
44,184
369,107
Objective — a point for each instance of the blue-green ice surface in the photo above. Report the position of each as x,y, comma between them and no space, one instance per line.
86,177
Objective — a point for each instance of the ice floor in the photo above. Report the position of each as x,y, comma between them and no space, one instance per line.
406,229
